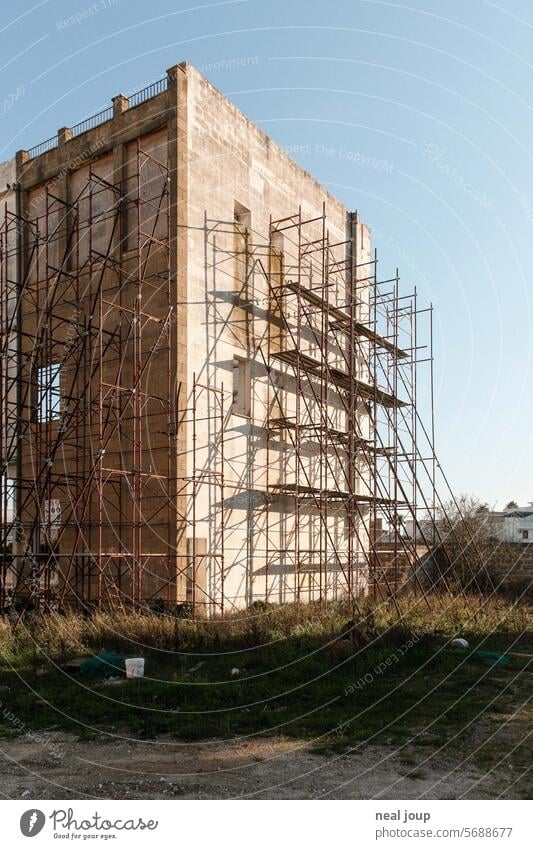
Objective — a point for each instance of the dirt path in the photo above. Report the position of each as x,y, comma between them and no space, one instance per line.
63,767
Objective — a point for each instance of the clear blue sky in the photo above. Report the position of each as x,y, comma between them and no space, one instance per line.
442,93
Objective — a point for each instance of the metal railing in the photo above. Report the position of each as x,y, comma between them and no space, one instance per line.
43,147
92,122
152,90
147,93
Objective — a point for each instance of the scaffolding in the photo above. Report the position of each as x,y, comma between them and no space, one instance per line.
342,469
120,495
347,372
203,564
85,324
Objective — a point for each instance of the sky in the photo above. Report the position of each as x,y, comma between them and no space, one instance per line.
418,115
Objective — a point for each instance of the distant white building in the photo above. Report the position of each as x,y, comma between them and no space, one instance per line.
514,524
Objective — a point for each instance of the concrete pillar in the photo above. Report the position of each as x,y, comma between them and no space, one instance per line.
64,135
21,157
120,104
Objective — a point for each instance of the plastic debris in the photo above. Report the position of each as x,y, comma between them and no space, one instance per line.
73,665
105,665
113,682
339,645
353,636
490,657
134,667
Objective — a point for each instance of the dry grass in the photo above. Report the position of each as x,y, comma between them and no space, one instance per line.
72,633
287,682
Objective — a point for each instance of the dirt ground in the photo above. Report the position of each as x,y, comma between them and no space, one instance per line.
63,767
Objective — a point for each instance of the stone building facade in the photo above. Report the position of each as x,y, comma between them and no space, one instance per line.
194,349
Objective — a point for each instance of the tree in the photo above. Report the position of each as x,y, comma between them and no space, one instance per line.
512,505
466,531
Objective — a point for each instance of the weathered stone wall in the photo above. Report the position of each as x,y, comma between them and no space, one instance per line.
220,165
234,168
511,565
89,270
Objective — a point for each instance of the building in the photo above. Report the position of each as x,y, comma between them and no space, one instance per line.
514,524
216,393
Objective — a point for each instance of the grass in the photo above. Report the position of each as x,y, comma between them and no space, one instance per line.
288,683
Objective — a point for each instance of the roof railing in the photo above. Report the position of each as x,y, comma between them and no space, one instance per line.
43,147
92,122
141,96
152,90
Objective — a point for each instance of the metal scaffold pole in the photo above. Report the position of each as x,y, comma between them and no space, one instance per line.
344,462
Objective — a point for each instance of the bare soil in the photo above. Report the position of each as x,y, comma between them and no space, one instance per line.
64,767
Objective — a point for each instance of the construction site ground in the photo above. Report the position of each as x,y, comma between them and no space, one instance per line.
271,768
274,704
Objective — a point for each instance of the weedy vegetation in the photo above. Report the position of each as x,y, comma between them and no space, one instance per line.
268,670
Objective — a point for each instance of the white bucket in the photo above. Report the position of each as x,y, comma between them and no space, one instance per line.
134,667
